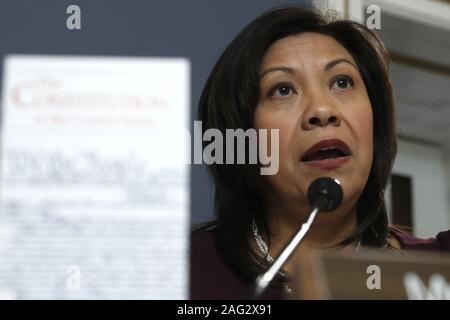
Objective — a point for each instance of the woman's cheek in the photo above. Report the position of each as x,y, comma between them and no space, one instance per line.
281,182
365,136
267,118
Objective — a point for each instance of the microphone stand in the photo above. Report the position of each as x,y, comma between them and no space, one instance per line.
263,280
324,194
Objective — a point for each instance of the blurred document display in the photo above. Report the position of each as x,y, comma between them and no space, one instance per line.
94,178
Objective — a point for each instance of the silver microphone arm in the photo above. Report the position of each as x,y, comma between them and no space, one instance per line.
263,280
325,195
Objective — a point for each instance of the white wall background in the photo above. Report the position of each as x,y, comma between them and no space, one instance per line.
429,168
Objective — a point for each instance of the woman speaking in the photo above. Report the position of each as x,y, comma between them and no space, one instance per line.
324,85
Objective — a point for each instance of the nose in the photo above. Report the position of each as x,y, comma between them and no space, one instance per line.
320,113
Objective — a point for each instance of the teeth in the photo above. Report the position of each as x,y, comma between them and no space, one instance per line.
327,153
331,148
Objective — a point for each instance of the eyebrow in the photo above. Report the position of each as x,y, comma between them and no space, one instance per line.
333,63
330,65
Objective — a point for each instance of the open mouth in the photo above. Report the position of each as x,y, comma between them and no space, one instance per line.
326,150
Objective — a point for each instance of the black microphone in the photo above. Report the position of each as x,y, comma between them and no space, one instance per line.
324,195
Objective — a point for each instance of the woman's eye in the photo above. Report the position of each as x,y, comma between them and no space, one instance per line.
281,90
342,82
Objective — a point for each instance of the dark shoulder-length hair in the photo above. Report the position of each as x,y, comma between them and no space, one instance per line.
229,100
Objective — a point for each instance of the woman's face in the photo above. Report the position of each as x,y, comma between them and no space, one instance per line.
312,91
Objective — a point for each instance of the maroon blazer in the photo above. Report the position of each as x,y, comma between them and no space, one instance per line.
213,277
